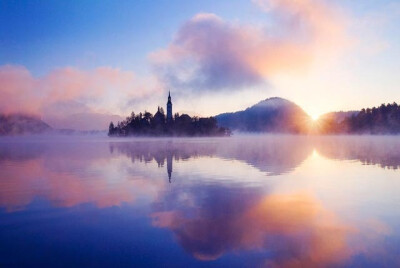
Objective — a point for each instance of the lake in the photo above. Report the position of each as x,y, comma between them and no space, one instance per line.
269,201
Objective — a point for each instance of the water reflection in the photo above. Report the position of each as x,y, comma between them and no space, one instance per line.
67,174
71,173
169,165
274,155
380,150
225,201
295,229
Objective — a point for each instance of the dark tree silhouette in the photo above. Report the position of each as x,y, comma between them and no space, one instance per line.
111,129
157,125
384,119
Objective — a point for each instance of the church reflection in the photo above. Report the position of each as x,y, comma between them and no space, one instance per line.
160,157
169,165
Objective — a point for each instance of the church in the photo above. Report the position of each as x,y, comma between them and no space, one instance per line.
159,117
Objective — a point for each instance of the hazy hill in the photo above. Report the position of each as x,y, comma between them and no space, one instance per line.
22,124
275,115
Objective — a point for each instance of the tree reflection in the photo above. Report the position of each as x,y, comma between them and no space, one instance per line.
274,155
369,150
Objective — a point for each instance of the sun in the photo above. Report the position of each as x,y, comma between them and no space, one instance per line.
314,117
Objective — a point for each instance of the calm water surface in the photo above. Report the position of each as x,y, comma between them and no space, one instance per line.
242,201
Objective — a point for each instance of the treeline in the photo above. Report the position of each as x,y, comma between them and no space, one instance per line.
145,124
384,119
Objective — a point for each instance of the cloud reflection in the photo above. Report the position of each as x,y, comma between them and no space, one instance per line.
67,174
295,228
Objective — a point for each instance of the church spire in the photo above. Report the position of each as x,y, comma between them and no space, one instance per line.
169,108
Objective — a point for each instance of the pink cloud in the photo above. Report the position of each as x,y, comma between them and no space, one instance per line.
69,92
17,90
210,53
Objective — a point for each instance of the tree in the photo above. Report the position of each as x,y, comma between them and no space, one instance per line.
111,129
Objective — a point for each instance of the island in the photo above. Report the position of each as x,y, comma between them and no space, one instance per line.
145,124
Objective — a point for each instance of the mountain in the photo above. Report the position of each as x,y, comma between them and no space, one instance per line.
17,124
274,115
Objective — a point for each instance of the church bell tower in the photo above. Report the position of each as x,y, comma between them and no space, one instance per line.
169,108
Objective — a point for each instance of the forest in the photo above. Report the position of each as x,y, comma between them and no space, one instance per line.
384,119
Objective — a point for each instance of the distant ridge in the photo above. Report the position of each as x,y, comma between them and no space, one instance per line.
276,115
17,124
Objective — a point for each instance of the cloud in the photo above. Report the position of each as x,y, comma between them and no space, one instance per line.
68,93
209,53
17,91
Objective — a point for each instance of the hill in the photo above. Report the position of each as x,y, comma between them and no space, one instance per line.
274,115
22,124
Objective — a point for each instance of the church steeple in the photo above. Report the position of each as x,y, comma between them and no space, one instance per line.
169,108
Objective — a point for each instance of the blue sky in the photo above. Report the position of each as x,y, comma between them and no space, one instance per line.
341,55
43,35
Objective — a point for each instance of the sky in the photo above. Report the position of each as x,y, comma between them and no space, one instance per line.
80,64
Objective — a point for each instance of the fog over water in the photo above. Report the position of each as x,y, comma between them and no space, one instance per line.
254,200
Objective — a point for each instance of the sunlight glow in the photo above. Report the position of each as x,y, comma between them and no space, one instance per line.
314,117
